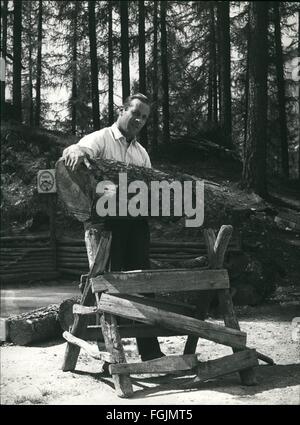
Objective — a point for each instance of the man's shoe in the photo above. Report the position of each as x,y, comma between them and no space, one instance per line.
152,356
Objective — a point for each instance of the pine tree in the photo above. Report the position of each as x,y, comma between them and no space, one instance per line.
154,142
254,167
94,64
165,72
281,92
39,66
125,49
110,66
225,72
17,51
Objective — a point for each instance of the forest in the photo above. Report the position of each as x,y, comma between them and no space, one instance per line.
218,72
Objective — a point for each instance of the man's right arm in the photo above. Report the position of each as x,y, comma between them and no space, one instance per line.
91,145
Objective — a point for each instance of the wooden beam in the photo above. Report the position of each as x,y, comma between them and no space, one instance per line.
146,311
91,350
229,364
179,308
162,365
137,330
157,281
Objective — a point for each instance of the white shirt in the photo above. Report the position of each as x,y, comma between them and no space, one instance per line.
109,143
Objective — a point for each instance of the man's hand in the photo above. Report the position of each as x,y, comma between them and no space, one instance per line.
73,156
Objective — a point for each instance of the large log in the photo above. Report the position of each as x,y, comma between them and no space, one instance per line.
35,326
77,189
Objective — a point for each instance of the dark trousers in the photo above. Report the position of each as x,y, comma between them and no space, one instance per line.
130,251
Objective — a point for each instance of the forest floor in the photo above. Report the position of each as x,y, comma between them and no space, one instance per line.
33,375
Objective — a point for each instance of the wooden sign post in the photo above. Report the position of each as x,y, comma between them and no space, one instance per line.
46,185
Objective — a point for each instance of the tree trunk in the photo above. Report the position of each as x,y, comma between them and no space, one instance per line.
213,88
110,67
165,72
36,326
225,77
39,67
125,49
298,97
94,65
17,64
254,167
219,88
77,190
3,49
74,70
154,143
142,66
30,68
281,93
246,86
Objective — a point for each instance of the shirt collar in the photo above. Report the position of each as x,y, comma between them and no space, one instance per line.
118,135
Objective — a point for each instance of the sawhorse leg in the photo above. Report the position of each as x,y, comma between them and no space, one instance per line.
87,299
216,248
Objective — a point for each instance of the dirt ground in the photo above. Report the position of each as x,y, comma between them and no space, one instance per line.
33,375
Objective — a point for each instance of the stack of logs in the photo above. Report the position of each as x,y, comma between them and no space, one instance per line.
26,256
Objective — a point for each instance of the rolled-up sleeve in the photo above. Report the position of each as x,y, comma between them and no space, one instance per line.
93,144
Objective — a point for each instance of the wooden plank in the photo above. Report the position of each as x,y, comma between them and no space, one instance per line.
229,364
171,306
92,351
146,311
156,281
162,365
83,310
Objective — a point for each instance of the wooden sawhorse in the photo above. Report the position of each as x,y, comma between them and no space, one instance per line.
115,294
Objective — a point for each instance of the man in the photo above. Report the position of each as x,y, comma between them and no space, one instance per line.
130,236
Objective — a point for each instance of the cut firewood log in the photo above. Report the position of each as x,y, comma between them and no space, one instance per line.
77,189
35,326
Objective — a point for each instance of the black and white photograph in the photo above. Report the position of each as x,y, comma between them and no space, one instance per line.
150,206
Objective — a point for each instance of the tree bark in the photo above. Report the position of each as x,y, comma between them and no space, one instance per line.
74,70
154,143
125,49
78,191
110,67
30,67
36,326
165,72
142,66
39,67
246,86
281,93
225,77
298,96
4,51
213,87
254,167
94,65
17,63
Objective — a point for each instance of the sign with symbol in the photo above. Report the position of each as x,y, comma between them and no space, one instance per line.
46,182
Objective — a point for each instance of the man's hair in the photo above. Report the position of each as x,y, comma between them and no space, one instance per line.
138,96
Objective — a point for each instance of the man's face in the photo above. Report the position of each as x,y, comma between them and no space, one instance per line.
133,119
